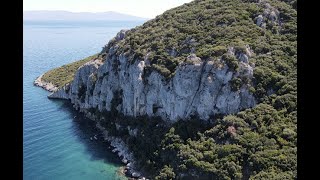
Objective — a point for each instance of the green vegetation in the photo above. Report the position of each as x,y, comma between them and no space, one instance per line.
207,28
231,61
257,143
235,84
64,74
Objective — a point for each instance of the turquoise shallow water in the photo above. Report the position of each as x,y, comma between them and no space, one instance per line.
55,144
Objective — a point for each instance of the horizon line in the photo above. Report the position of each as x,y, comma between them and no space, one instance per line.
89,12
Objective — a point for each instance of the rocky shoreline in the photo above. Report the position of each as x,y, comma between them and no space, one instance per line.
123,152
118,145
45,85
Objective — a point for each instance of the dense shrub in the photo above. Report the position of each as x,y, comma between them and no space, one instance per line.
64,74
255,143
207,29
235,83
231,61
166,173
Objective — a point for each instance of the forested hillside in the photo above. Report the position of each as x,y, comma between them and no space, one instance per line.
257,143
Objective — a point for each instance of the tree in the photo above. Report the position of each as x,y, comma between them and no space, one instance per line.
166,173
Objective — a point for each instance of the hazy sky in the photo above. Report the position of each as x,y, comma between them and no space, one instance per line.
142,8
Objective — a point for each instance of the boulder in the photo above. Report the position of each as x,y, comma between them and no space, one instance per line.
121,35
259,20
135,174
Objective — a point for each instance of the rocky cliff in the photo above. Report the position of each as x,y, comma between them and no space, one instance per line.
199,87
233,59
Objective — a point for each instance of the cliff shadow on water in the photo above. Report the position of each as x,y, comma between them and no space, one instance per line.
230,58
85,131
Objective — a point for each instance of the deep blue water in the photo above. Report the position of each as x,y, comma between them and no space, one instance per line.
55,144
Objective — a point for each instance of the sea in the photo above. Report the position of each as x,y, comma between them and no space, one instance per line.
56,141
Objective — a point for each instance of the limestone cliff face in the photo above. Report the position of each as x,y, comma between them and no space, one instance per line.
199,87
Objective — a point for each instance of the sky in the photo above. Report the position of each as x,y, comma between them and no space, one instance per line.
140,8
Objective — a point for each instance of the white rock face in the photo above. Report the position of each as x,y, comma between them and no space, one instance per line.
45,85
270,13
259,20
202,88
61,93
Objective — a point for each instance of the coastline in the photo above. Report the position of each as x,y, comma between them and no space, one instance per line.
118,145
121,149
45,85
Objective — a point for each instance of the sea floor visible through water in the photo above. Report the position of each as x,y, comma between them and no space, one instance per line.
98,143
57,139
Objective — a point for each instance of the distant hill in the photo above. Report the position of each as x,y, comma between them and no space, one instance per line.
77,16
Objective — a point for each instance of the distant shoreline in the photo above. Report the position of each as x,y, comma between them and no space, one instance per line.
79,16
